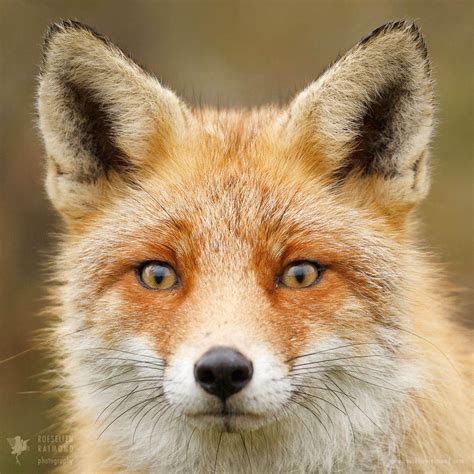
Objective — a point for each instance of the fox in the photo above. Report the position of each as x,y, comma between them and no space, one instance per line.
246,290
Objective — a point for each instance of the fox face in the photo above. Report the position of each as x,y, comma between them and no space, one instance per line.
235,281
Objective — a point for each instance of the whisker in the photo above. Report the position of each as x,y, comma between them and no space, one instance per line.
60,388
320,370
147,363
428,342
332,349
160,414
376,385
344,407
301,420
157,359
217,452
246,452
312,386
189,441
123,413
143,416
19,354
317,407
124,397
314,414
75,332
300,392
350,374
365,414
143,379
303,370
344,358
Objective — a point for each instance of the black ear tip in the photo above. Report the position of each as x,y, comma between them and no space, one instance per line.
408,26
63,26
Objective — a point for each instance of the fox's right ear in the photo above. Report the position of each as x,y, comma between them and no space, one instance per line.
101,116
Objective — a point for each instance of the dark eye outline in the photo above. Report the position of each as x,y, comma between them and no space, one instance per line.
139,269
319,267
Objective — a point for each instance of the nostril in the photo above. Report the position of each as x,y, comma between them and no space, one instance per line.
240,375
205,375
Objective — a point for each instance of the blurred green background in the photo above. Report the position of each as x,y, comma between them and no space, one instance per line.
222,53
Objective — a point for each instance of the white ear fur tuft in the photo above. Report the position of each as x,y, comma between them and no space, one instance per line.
98,113
371,114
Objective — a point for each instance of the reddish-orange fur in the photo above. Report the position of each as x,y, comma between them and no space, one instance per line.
229,200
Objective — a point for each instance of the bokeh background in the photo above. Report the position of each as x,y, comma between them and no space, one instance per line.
226,54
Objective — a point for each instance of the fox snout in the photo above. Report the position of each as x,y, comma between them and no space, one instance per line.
223,371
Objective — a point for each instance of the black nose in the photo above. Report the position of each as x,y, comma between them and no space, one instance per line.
223,371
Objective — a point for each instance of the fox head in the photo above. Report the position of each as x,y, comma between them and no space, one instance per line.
250,273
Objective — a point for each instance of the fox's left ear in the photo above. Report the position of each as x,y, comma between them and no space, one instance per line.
367,121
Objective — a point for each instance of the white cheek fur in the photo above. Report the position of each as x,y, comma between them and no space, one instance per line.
317,434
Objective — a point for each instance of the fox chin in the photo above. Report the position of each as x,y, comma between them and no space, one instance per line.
244,290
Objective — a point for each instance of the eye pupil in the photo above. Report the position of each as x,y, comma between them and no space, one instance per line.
301,274
157,276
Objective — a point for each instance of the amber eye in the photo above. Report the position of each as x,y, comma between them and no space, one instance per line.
157,276
301,274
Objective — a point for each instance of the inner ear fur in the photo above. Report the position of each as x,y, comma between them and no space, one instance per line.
369,117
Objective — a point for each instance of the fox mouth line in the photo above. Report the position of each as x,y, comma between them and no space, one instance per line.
224,414
227,418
